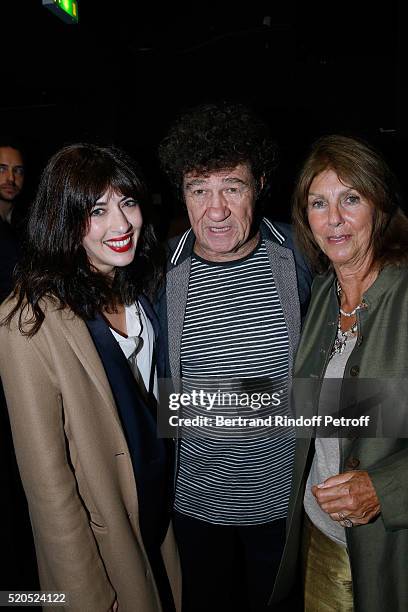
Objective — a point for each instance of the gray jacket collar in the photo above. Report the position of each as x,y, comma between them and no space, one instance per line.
283,270
185,243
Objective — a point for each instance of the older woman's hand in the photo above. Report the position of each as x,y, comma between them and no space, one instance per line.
350,495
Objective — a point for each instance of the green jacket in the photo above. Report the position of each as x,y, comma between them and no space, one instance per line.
378,551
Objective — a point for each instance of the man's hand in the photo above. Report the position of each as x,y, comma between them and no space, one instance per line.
350,495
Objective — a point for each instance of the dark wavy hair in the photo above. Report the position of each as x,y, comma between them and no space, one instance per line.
362,167
217,136
55,264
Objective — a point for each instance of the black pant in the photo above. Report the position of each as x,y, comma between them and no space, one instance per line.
161,579
17,555
228,568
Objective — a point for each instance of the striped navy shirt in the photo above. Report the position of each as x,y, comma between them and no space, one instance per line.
234,330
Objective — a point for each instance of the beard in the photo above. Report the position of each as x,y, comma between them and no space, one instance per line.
7,194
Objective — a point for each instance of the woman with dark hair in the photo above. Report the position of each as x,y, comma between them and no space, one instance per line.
350,486
79,361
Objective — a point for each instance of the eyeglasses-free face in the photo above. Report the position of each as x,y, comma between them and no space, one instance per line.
341,220
113,232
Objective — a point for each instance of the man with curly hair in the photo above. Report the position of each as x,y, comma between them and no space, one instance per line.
235,293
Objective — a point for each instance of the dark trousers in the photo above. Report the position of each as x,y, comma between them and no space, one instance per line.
161,579
228,568
17,555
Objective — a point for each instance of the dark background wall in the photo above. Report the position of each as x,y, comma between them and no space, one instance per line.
125,70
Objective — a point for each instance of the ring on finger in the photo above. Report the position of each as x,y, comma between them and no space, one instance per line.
346,523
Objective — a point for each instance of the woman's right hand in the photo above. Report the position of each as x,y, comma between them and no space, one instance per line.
114,607
348,495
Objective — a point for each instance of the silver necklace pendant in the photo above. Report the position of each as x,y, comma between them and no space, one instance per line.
341,338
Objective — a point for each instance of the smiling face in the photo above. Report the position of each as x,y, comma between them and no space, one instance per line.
341,220
113,232
221,207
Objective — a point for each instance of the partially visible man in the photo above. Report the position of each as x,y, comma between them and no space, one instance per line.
19,567
11,184
235,292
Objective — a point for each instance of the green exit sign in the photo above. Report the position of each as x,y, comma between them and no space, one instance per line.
67,10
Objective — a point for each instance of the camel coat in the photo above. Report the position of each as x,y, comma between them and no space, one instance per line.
76,469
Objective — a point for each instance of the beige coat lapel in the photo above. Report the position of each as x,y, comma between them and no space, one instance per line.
78,337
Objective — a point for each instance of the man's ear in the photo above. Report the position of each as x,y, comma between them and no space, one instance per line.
261,185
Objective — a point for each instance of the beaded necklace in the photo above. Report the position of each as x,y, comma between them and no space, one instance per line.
342,336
